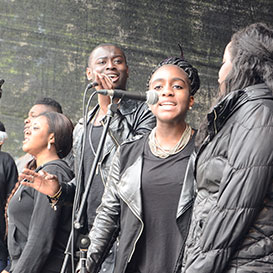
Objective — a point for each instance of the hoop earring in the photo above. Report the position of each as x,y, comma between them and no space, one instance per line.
48,145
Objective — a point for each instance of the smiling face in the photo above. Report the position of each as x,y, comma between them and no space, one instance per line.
172,84
111,61
37,136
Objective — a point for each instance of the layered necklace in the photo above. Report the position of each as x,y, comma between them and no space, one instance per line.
162,152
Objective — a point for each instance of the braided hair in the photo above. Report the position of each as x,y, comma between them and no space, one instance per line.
186,66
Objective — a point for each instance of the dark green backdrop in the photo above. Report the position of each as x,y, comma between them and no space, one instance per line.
44,45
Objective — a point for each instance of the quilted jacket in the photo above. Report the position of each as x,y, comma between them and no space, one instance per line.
232,222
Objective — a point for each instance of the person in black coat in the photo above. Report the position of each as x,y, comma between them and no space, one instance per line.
107,66
8,178
37,234
232,223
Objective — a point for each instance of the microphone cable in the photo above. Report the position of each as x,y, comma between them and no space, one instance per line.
78,184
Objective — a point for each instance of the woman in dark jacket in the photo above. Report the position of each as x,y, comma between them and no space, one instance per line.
142,191
232,222
37,234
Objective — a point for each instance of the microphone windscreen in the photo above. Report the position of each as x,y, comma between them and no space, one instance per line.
152,97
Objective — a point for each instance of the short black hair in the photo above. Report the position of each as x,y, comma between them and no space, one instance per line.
51,103
105,45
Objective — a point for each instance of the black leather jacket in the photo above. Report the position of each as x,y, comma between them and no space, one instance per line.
133,118
121,206
232,222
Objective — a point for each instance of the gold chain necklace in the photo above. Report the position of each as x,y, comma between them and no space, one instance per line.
162,152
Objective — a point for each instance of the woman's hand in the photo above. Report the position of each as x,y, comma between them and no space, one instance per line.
42,181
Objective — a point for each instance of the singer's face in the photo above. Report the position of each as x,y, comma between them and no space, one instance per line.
110,61
35,111
173,85
37,136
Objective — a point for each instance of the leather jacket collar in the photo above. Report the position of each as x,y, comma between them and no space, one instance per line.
127,107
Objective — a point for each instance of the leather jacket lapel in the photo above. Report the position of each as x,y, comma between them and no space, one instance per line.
131,192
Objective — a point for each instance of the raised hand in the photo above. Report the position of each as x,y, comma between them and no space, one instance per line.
104,82
42,181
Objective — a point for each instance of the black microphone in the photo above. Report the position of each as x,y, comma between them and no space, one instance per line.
151,96
91,85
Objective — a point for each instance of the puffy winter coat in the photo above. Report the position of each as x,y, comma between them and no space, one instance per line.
232,222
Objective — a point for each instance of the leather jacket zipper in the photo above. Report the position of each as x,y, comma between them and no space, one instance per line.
100,172
117,144
109,131
214,122
142,227
100,163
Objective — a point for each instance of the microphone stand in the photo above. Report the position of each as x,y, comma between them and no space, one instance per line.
112,110
84,244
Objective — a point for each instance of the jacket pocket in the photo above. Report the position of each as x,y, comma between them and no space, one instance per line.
15,249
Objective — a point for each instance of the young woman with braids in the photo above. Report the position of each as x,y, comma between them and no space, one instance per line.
37,234
142,192
232,223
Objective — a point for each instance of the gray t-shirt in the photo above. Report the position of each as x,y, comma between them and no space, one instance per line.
97,187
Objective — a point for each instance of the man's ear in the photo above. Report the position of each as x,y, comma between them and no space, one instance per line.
89,73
